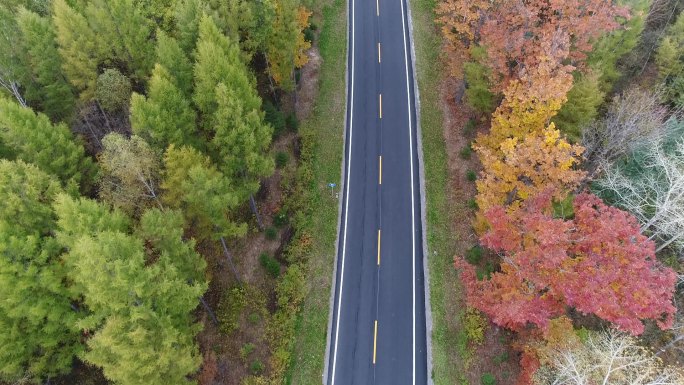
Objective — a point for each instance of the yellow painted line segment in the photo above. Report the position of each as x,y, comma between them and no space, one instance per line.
380,174
379,235
375,341
380,106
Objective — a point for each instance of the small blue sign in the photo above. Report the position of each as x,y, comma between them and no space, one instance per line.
332,185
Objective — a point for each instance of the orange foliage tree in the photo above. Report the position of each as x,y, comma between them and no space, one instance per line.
520,168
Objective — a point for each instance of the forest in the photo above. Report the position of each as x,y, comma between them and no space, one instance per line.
150,206
573,115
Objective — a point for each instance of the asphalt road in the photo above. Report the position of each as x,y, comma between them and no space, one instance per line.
378,323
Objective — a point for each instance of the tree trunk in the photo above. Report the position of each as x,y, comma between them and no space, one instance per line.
104,115
253,205
208,309
230,260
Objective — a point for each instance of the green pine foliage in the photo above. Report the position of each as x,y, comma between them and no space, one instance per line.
203,193
139,290
34,139
476,76
584,99
79,47
165,116
670,62
37,320
188,15
170,55
124,30
56,97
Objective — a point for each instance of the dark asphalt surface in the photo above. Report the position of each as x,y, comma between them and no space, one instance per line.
392,292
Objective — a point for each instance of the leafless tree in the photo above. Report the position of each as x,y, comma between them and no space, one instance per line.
654,194
633,118
607,358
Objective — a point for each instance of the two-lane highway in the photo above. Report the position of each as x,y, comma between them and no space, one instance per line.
378,331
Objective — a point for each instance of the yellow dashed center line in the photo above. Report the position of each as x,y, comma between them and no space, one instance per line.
380,173
380,106
375,341
379,234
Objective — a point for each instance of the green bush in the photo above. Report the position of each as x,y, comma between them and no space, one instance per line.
257,367
113,90
471,176
476,76
230,307
246,350
253,318
271,233
485,272
270,264
275,118
472,204
475,325
309,35
501,358
466,152
280,219
292,123
474,255
469,128
281,159
488,379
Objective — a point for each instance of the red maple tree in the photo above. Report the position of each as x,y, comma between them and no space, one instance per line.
596,262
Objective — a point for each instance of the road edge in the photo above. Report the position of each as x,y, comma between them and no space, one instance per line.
333,286
423,201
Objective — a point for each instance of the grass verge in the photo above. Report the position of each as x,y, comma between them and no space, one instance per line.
449,342
322,134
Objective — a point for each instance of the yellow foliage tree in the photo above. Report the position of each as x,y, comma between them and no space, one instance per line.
529,103
520,168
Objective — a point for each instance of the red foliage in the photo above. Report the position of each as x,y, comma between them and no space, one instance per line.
597,262
529,363
518,33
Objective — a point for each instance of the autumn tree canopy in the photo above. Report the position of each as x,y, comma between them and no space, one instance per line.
597,262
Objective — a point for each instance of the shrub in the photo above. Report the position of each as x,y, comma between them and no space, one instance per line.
275,118
475,325
246,350
281,159
230,306
270,264
466,152
292,123
471,176
253,318
474,254
469,128
309,35
280,219
257,367
488,379
271,233
472,204
501,358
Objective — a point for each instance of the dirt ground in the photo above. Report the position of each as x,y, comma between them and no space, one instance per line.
495,354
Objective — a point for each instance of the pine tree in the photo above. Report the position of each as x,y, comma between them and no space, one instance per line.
33,138
57,98
165,116
225,94
80,48
282,48
171,56
188,16
584,99
37,331
15,78
203,193
121,25
241,144
139,290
